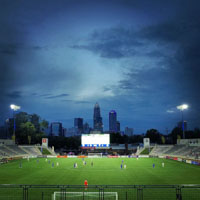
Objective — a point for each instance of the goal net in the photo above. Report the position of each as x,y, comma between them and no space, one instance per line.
85,195
94,155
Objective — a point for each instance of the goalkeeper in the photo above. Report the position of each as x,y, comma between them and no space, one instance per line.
86,184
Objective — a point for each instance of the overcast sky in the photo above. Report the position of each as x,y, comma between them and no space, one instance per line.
140,58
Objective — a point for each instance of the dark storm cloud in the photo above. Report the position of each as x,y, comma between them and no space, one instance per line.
9,49
83,102
57,96
76,102
181,34
112,43
106,89
174,76
12,49
14,94
184,34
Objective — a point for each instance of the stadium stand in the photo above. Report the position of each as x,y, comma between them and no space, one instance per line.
175,149
17,149
31,150
186,151
7,151
160,149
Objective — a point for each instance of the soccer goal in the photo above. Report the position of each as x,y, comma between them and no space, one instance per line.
85,195
94,155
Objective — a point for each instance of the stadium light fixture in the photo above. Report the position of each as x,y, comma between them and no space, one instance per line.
14,108
182,108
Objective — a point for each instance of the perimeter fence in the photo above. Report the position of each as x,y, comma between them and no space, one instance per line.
99,192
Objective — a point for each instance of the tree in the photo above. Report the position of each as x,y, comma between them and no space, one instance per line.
197,133
27,132
21,117
154,135
35,121
174,134
44,125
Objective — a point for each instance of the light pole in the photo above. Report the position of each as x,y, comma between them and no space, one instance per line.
14,108
182,108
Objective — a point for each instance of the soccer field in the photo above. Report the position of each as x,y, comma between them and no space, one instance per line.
105,171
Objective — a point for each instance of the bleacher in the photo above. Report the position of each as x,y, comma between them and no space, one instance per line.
7,152
176,150
194,153
31,150
160,149
17,149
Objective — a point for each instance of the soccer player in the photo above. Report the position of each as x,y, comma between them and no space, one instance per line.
153,165
49,161
121,166
37,161
46,160
163,164
124,166
76,165
86,184
57,164
85,163
122,161
28,158
53,164
20,164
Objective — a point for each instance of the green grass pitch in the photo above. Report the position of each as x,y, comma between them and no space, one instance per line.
106,171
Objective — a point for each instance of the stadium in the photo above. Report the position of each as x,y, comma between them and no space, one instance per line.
149,172
99,100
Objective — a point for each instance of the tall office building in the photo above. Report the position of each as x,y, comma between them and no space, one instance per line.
86,128
97,119
113,121
78,124
56,129
118,127
128,131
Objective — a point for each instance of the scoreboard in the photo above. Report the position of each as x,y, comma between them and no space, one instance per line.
95,140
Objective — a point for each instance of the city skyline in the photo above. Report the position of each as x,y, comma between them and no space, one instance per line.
57,58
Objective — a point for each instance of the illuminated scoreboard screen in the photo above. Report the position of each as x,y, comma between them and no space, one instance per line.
95,141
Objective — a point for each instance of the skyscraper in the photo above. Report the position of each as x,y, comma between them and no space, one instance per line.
56,129
128,131
113,121
97,119
118,127
86,128
78,124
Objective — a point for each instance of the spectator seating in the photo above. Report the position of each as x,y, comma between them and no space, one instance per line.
15,151
31,150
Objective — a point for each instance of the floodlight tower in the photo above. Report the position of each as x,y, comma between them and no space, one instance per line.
14,108
182,108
